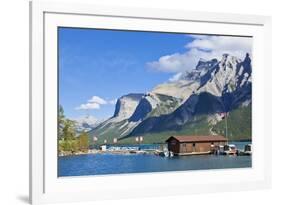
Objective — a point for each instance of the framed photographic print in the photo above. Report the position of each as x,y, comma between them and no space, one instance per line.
147,102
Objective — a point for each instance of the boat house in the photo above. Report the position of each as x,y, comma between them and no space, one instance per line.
191,145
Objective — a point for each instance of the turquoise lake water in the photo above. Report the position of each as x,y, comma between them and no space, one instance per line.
100,164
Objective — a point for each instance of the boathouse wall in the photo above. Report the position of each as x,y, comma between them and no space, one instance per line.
194,144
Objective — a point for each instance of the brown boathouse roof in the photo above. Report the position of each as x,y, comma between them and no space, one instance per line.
194,138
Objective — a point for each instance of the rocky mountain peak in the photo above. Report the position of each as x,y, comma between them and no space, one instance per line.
205,65
213,86
225,76
126,105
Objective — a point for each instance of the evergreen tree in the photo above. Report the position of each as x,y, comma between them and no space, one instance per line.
61,121
68,142
83,141
68,130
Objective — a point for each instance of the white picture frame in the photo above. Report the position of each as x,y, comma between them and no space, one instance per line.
45,187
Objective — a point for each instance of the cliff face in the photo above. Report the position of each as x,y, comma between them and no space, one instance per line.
126,106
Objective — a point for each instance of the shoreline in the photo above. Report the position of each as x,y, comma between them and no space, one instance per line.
121,152
64,154
127,151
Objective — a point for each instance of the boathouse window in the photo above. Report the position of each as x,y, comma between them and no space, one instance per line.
193,144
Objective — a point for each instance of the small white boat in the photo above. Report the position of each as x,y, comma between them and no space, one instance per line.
171,154
230,149
166,153
248,149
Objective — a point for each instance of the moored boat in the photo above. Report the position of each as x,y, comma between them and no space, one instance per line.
230,149
248,149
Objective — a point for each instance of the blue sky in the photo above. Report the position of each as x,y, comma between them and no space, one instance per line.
98,66
109,64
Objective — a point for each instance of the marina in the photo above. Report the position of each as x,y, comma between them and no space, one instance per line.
148,158
174,148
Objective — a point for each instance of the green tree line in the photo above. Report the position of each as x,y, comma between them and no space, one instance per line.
68,139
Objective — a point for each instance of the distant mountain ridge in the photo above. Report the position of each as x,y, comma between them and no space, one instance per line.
211,88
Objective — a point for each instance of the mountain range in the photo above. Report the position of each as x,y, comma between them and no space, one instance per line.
214,95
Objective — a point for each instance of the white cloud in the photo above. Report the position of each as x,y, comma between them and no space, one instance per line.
201,36
222,44
170,63
98,100
202,46
112,102
95,102
88,106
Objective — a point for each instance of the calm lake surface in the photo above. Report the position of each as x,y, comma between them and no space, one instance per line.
99,164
